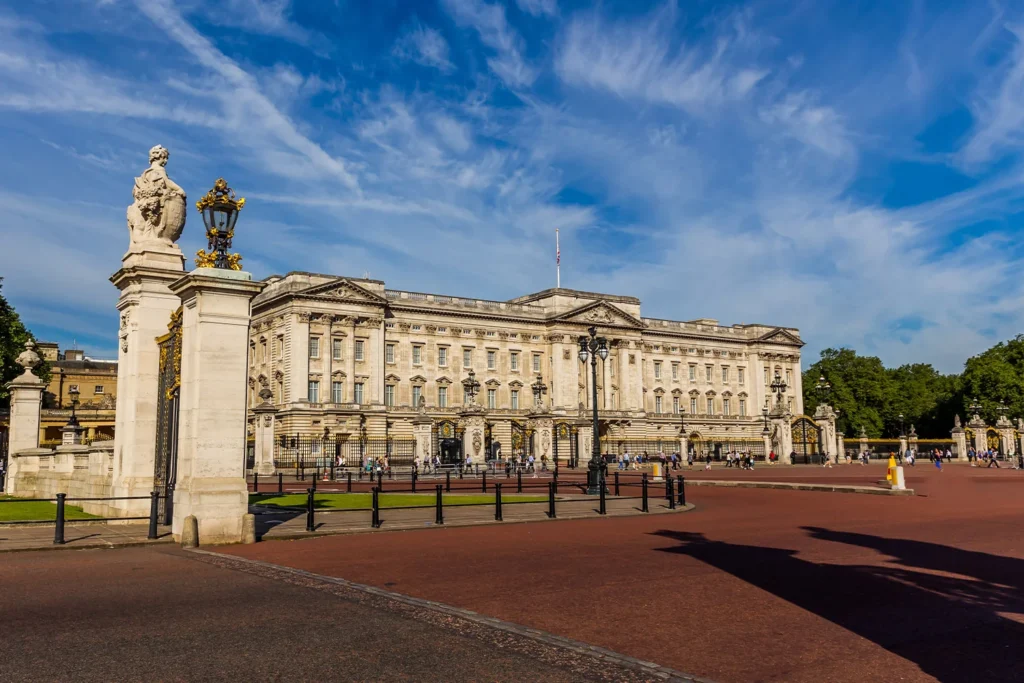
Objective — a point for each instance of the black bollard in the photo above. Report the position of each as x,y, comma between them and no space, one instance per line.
439,516
314,478
460,471
255,482
332,470
448,481
497,502
671,494
668,487
380,479
682,490
414,482
58,531
643,482
280,482
375,521
154,513
554,477
348,482
310,521
616,483
601,510
169,505
551,499
519,482
484,488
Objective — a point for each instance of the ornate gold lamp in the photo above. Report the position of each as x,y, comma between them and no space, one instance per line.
219,209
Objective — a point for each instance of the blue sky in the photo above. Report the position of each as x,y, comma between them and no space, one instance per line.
851,169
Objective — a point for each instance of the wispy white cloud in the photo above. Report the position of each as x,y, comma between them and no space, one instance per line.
495,32
269,17
539,7
425,46
998,108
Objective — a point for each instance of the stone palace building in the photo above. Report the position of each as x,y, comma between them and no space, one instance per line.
349,356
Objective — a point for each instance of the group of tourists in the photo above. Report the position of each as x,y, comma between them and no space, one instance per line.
989,456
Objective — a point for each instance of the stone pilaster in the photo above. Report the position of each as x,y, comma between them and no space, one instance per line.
543,434
26,393
840,448
782,433
473,435
146,304
421,425
211,467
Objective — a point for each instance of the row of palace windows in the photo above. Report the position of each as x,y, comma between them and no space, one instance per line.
708,373
337,345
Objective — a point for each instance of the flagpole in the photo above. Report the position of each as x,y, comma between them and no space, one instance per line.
558,262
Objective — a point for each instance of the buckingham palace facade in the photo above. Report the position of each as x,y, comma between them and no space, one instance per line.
349,357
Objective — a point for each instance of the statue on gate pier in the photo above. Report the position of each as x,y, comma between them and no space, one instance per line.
158,212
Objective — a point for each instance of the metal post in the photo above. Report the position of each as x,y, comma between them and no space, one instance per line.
380,479
497,503
601,510
154,513
332,470
169,505
439,517
551,500
448,481
58,531
668,486
643,482
616,483
671,494
485,483
348,482
460,471
519,482
310,521
280,482
680,484
255,482
375,521
414,482
554,480
314,482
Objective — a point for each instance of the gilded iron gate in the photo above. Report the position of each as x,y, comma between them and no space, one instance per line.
168,385
566,444
805,440
518,439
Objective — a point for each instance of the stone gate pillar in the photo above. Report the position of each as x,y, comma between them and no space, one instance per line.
421,425
840,447
214,364
266,418
23,437
473,434
959,439
145,305
782,429
543,432
1006,440
978,426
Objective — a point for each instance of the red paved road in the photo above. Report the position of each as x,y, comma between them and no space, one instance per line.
753,585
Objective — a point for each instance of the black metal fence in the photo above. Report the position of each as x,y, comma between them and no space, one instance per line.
310,452
60,516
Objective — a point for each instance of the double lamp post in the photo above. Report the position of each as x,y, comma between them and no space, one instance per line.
592,346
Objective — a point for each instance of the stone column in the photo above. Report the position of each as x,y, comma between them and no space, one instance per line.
978,426
840,448
473,434
350,390
783,430
625,399
826,419
606,385
684,446
146,304
421,425
26,393
299,379
211,445
959,439
585,430
266,416
377,361
543,433
912,440
767,439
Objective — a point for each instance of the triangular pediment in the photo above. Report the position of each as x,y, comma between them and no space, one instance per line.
781,336
600,313
343,290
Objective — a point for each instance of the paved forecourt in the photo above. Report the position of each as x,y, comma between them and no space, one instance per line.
754,584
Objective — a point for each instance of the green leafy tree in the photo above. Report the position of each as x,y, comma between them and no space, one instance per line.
861,390
13,335
993,376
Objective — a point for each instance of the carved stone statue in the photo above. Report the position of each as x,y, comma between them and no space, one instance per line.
158,212
956,421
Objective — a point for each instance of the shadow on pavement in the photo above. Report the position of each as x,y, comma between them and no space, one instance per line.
954,628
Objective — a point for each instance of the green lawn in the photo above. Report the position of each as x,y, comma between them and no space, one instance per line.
352,501
23,511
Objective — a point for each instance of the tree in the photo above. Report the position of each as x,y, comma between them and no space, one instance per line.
13,335
993,376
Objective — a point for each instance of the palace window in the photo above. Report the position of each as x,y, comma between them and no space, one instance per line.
389,353
711,406
675,405
513,361
492,359
357,393
314,392
725,406
98,389
279,345
707,372
359,350
415,328
442,397
389,394
337,392
417,355
536,362
252,354
725,373
515,399
263,350
657,371
789,378
675,371
693,406
766,380
743,408
467,358
314,347
693,373
442,356
336,348
492,398
416,393
739,375
657,404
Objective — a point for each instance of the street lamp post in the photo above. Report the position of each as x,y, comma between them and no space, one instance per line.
824,390
219,209
764,414
539,390
900,417
778,387
471,385
593,346
73,393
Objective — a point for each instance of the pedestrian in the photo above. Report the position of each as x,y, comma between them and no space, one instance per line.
992,459
771,457
689,458
707,460
938,459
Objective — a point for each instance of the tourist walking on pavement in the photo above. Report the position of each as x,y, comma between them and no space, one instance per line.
707,460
